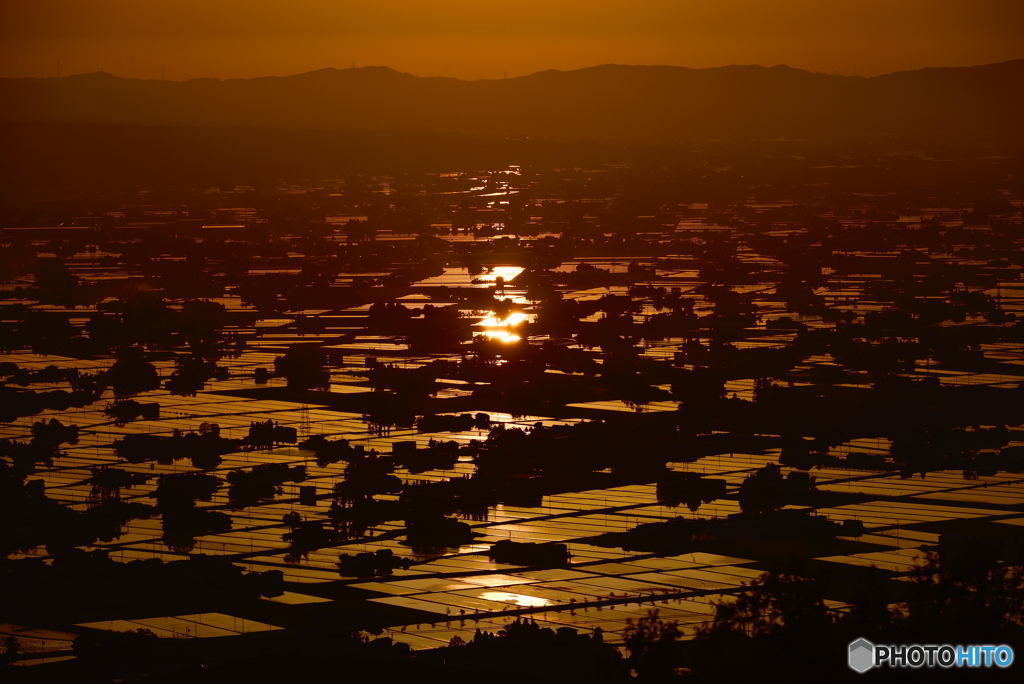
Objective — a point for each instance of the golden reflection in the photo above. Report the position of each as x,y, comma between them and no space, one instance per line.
518,599
506,273
501,329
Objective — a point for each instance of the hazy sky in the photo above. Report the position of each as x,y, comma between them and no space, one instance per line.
477,38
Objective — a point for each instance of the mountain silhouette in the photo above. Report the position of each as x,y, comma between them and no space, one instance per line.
645,104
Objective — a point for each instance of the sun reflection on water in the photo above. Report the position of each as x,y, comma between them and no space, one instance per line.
518,599
501,329
506,273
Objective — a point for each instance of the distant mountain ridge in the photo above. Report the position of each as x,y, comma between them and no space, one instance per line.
604,103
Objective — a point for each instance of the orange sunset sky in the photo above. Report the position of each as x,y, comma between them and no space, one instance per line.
473,39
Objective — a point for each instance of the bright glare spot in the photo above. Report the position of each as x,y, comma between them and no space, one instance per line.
518,599
502,336
500,329
511,321
507,273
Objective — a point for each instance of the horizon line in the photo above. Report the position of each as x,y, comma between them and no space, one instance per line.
378,67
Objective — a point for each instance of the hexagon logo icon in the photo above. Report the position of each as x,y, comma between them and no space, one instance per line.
861,656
